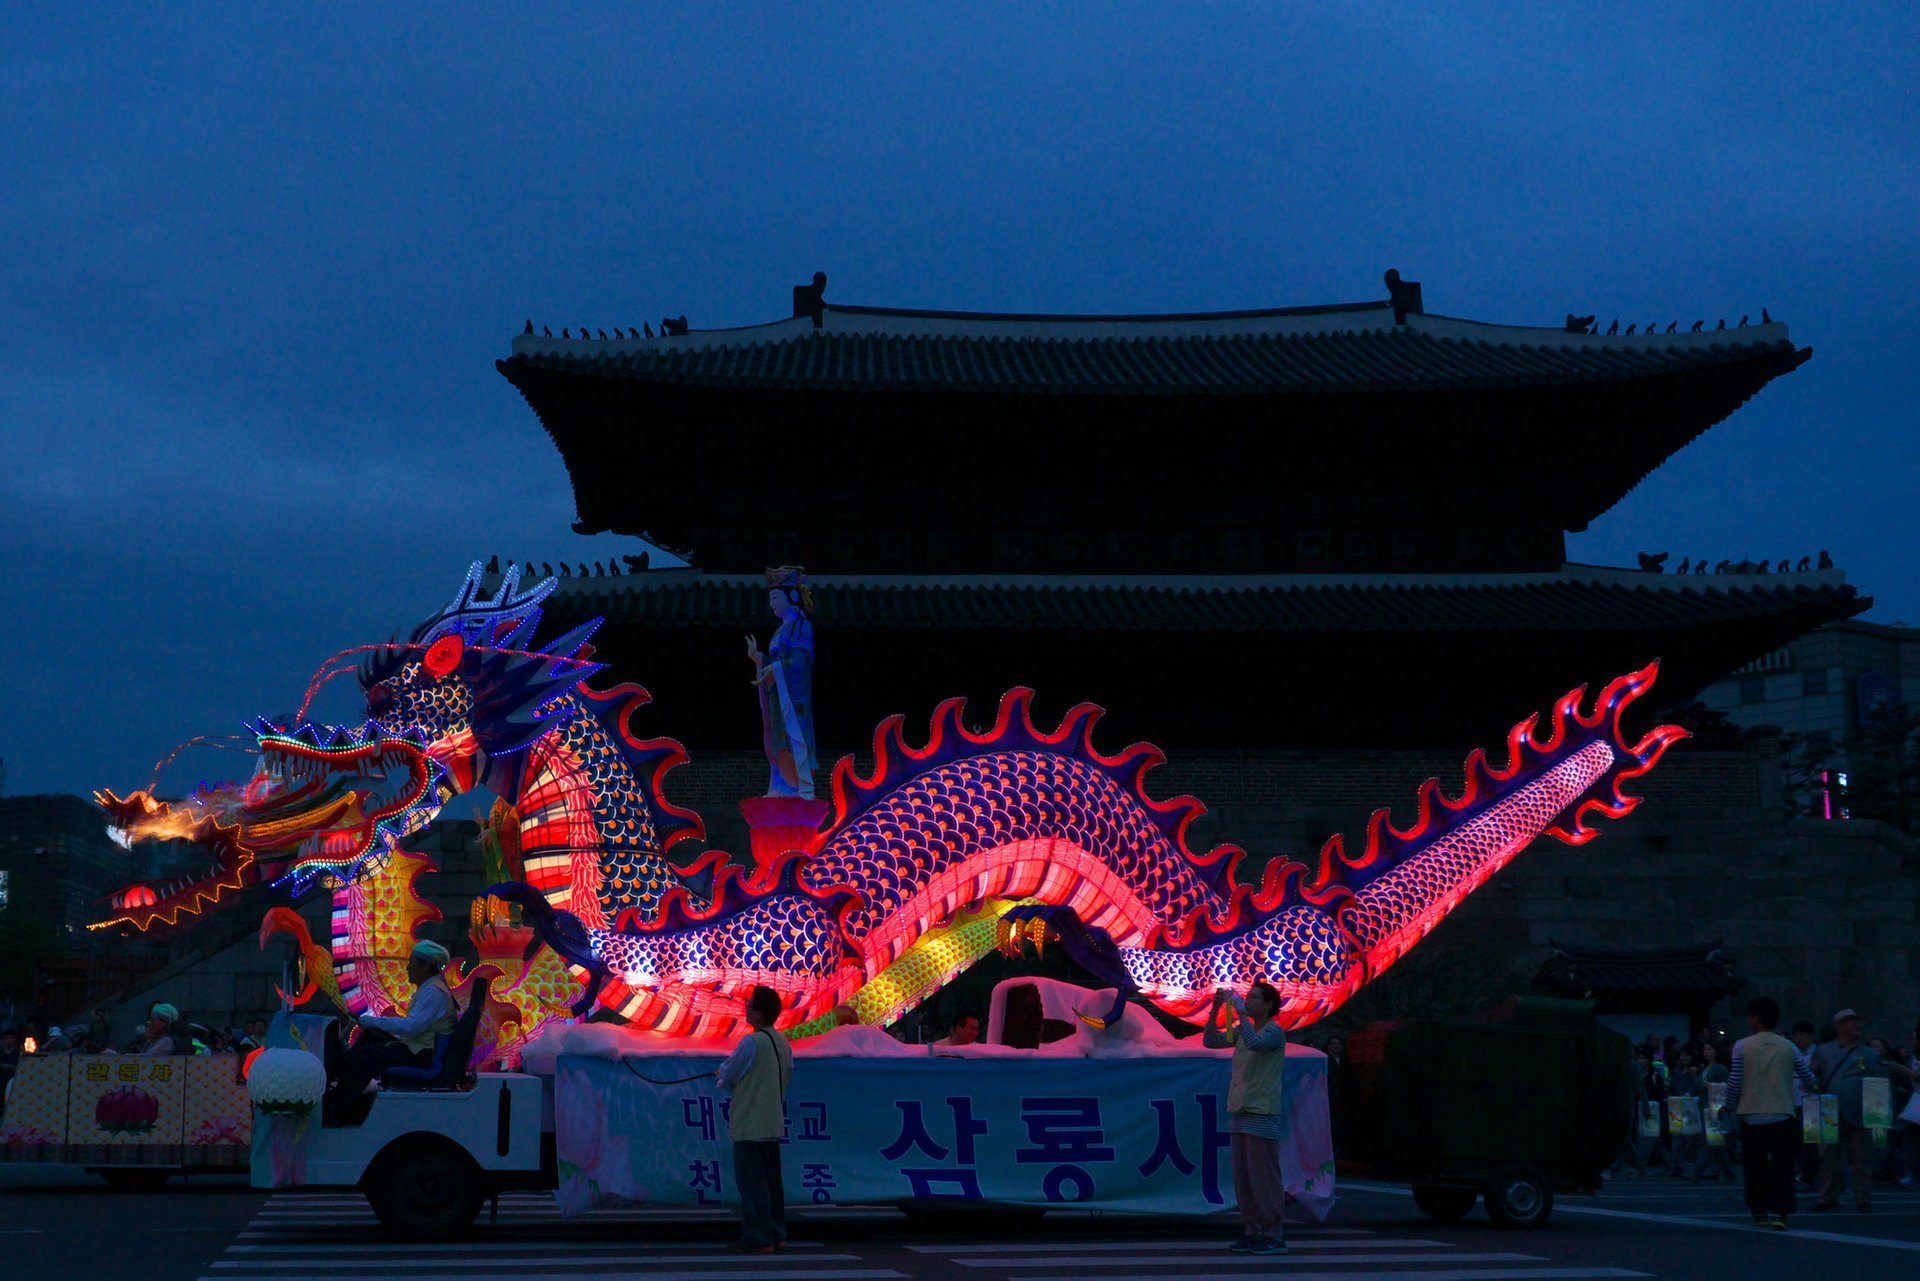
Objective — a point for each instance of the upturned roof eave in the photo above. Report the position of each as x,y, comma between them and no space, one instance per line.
1579,599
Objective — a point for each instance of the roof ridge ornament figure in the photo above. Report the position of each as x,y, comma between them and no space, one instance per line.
811,300
1404,295
784,678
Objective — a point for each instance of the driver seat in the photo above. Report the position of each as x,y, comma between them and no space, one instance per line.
452,1053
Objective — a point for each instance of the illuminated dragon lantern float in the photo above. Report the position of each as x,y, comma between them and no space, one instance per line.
935,856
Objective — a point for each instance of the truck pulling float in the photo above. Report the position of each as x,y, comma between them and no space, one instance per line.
854,908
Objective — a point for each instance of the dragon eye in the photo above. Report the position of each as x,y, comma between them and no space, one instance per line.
444,655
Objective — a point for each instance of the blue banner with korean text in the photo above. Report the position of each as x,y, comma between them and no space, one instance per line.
1147,1134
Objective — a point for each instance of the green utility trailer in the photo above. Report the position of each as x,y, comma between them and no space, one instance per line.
1530,1099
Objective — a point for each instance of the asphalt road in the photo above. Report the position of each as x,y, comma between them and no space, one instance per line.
67,1226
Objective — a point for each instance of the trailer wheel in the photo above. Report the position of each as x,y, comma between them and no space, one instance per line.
133,1180
1448,1205
1518,1198
425,1188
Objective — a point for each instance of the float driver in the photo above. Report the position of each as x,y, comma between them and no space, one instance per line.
402,1040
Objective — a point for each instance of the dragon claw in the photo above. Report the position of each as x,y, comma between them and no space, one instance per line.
1091,947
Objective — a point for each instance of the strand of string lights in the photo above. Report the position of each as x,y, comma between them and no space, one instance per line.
328,671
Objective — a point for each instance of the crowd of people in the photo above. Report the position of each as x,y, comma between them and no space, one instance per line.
1808,1061
163,1032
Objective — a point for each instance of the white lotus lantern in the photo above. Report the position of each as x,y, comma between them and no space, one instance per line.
286,1082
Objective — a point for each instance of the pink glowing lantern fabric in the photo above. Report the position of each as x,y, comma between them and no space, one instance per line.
1068,837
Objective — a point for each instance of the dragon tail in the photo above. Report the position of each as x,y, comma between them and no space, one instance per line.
1322,932
1406,880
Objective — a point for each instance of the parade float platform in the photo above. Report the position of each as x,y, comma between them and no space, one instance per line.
1128,1117
114,1111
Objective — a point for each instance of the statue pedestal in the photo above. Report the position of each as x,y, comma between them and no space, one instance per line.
782,823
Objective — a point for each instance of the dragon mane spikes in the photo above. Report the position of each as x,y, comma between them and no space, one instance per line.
510,613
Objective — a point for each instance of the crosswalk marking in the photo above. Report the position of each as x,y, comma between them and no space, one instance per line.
1738,1223
1358,1240
488,1248
506,1265
754,1273
1425,1274
333,1237
1219,1258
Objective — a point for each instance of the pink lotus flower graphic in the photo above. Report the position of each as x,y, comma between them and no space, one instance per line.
218,1131
127,1109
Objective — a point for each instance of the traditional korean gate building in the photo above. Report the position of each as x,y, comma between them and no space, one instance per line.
1315,553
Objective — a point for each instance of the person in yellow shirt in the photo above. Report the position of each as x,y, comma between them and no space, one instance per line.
1760,1084
757,1074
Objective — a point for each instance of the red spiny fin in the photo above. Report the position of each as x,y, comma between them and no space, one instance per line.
1337,875
650,758
896,762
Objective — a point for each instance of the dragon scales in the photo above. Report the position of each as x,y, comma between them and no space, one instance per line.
935,854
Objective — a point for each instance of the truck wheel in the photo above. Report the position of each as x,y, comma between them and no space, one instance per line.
1518,1198
136,1180
425,1189
1448,1205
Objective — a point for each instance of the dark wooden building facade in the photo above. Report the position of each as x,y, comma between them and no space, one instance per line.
1317,554
1327,527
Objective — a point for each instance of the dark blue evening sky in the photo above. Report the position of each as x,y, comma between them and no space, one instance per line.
260,261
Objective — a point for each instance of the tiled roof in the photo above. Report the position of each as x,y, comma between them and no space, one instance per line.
1577,598
1580,972
1340,352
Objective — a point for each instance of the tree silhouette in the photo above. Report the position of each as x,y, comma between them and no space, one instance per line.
1883,768
1804,775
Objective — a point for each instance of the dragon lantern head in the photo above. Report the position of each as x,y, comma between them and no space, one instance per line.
449,707
469,685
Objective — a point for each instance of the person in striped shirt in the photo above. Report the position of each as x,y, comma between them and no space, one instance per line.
1255,1122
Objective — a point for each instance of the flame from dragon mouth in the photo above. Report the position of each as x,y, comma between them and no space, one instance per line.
143,817
323,802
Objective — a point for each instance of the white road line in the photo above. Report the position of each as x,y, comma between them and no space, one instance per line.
753,1274
553,1235
296,1222
1221,1259
1689,1221
1436,1274
550,1208
356,1213
505,1267
489,1249
1839,1238
1362,1243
